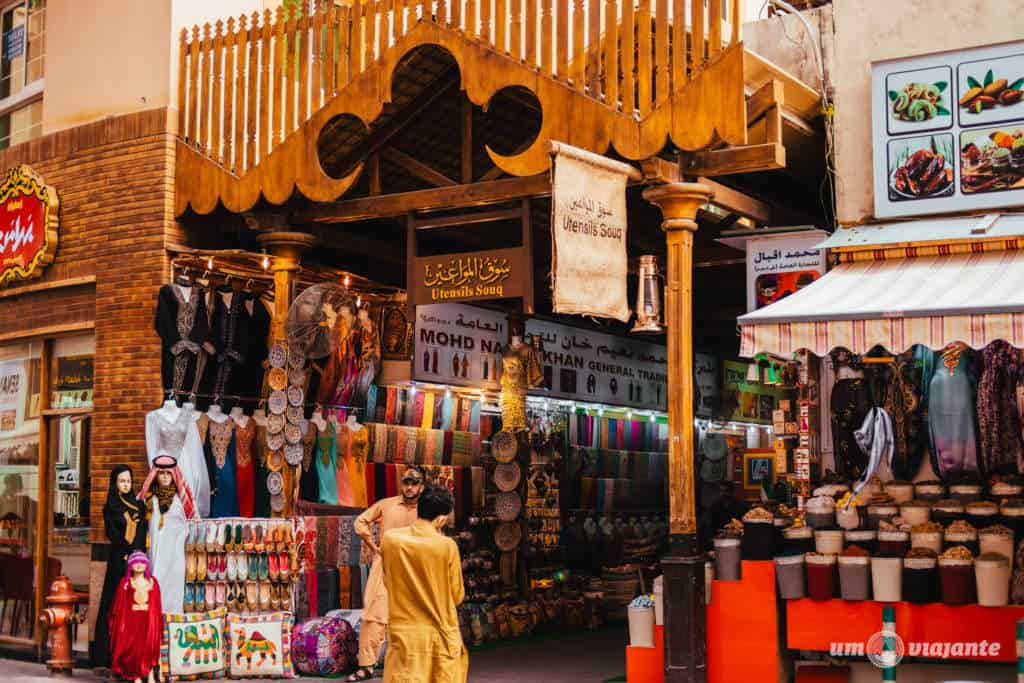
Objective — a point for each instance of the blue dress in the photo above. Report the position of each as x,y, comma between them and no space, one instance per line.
221,459
326,458
951,413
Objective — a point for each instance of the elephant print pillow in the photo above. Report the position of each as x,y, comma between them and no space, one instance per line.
260,646
194,645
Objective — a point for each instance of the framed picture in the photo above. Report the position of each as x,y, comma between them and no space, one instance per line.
395,332
758,465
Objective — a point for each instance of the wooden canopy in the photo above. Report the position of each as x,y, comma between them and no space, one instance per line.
277,103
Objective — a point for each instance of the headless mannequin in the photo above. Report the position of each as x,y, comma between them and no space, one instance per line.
260,417
319,421
239,416
170,410
517,342
216,414
352,423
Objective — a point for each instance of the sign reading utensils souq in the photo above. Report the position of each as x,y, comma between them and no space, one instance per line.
588,233
29,211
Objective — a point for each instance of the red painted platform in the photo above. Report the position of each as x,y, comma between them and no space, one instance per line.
856,622
741,618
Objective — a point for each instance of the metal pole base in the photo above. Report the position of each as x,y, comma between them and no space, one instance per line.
685,617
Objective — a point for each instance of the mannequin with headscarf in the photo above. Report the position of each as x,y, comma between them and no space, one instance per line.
136,623
169,506
125,526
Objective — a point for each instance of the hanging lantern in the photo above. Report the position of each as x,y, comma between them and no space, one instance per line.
753,373
648,298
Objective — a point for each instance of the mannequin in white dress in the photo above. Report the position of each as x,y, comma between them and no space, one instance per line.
172,430
169,505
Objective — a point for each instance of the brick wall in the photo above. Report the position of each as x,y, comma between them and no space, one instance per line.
115,181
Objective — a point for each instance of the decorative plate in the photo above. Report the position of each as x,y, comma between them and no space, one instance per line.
507,506
277,503
504,446
296,358
295,414
275,442
277,378
275,424
507,536
277,356
297,376
278,402
295,396
292,434
275,460
507,476
275,483
293,454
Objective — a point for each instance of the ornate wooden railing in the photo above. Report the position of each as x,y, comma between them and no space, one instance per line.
246,84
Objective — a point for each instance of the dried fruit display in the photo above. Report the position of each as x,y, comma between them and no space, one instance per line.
990,93
923,174
919,101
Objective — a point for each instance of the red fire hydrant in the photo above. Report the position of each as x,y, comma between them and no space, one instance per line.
58,618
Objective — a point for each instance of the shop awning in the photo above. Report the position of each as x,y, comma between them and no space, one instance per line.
975,298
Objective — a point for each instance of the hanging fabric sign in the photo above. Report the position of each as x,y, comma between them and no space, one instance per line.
588,233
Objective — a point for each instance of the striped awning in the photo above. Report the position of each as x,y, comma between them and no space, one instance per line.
934,300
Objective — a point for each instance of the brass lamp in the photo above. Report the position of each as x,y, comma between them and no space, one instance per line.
648,298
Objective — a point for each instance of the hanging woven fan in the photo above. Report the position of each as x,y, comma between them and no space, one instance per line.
312,323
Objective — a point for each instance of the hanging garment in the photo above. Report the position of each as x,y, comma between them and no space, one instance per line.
246,450
850,404
184,326
875,439
220,449
341,475
513,388
261,496
230,338
326,462
180,440
901,386
348,359
254,366
999,424
951,413
309,482
358,445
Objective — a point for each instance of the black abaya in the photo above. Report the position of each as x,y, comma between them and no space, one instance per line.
117,512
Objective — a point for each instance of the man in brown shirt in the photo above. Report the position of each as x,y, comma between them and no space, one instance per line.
390,513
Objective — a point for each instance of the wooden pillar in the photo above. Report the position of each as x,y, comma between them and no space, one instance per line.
286,250
684,565
47,483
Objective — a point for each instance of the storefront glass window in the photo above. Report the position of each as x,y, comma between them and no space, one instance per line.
68,421
19,485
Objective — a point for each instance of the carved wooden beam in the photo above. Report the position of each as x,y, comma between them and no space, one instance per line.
416,167
452,197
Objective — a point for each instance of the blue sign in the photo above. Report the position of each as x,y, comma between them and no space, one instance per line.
14,43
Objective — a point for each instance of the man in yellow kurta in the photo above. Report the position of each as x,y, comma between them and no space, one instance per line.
423,575
389,513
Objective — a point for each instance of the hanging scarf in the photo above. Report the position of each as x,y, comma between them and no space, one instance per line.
876,441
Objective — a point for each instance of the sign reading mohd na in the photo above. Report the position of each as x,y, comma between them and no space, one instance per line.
588,233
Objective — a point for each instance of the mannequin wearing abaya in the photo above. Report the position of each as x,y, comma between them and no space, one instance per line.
951,412
125,527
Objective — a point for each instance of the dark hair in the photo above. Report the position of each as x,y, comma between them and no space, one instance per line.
434,502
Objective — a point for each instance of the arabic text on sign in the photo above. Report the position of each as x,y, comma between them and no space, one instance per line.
472,270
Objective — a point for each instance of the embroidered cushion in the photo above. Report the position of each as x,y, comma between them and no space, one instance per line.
193,646
325,646
260,646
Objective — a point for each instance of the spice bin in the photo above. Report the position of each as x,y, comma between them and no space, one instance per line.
855,574
821,576
789,572
992,575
